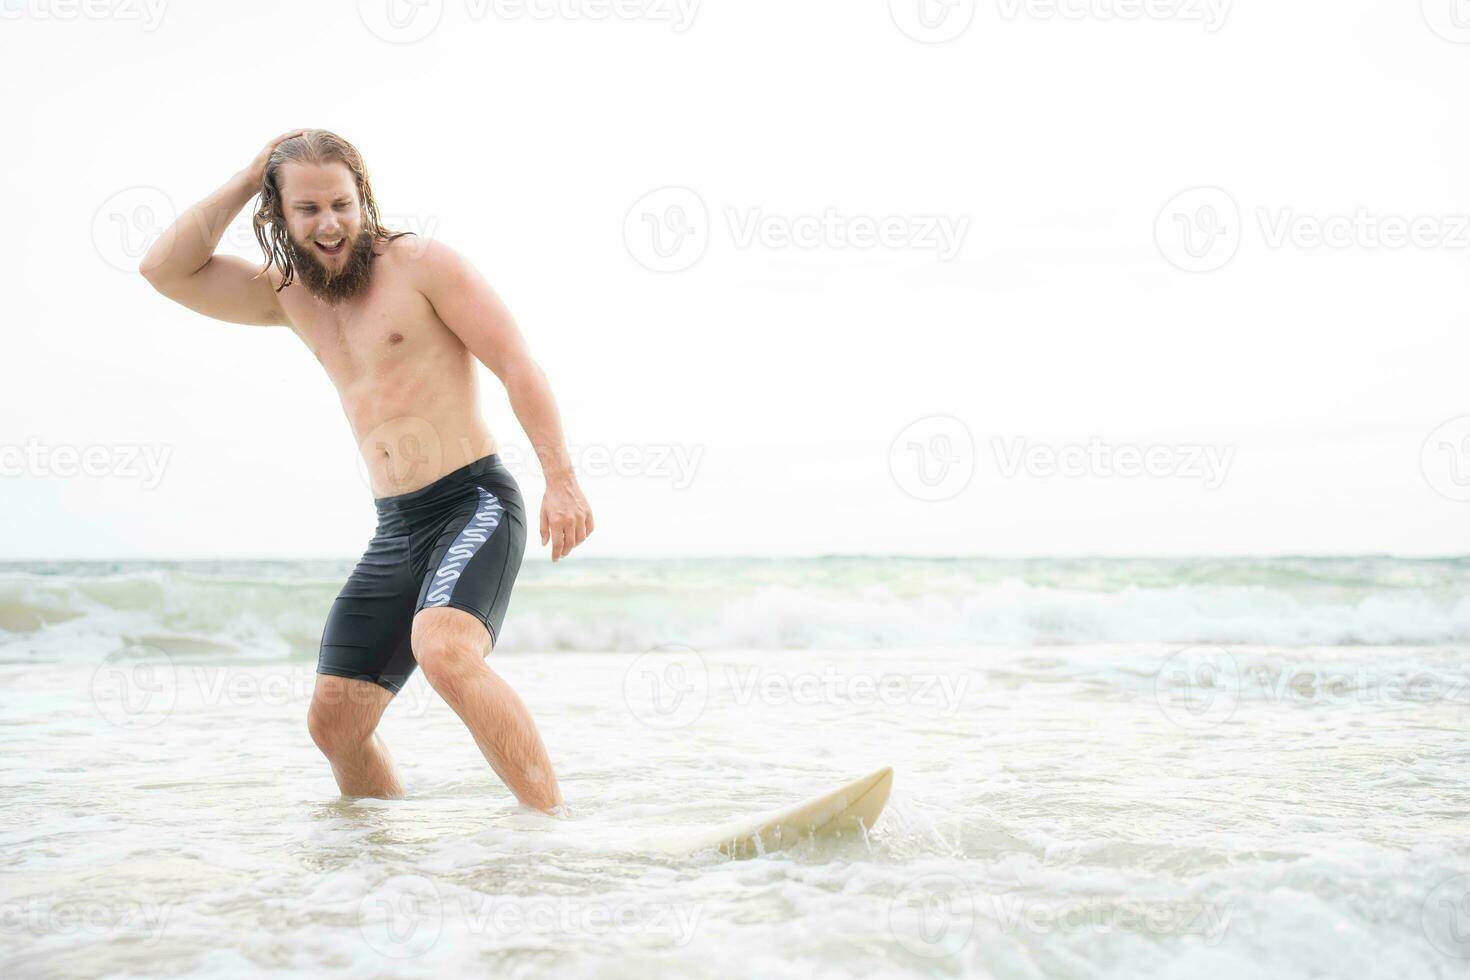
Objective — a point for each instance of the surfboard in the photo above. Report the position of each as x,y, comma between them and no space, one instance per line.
844,811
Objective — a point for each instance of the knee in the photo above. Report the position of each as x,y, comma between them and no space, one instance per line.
333,731
344,712
448,666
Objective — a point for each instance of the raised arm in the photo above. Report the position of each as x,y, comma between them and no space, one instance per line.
182,265
469,307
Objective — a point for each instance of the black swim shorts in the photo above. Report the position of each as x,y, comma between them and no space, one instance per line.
457,542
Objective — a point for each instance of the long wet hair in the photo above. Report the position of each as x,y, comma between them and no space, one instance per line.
312,146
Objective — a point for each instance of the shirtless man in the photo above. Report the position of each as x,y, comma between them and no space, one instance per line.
397,322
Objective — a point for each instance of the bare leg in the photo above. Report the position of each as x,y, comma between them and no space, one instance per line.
451,645
343,721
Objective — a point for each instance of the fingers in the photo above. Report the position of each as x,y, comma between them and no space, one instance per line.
565,532
565,529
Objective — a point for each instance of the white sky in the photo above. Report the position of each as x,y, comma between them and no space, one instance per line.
524,142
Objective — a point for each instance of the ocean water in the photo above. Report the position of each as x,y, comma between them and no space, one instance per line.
1217,767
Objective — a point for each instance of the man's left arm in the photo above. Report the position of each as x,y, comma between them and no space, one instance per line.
469,307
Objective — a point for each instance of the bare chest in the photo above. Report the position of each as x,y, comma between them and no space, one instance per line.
390,325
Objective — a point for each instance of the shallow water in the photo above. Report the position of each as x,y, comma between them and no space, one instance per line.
1079,810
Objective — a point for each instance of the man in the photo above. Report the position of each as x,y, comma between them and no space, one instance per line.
397,322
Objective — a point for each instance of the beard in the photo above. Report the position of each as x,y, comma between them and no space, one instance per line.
334,285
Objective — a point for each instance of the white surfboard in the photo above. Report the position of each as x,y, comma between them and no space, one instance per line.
844,811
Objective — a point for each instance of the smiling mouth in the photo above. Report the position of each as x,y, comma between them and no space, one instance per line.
335,248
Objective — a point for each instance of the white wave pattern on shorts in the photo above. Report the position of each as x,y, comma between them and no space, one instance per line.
275,610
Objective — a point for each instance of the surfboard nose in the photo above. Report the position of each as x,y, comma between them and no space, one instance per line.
849,809
869,797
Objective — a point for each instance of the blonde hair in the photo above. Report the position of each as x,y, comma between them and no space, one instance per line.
312,146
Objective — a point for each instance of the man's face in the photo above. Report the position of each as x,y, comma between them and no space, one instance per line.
322,212
329,247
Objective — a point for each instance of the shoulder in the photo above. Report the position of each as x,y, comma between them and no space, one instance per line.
428,263
423,256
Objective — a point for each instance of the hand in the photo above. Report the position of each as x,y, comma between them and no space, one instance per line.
566,520
255,173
